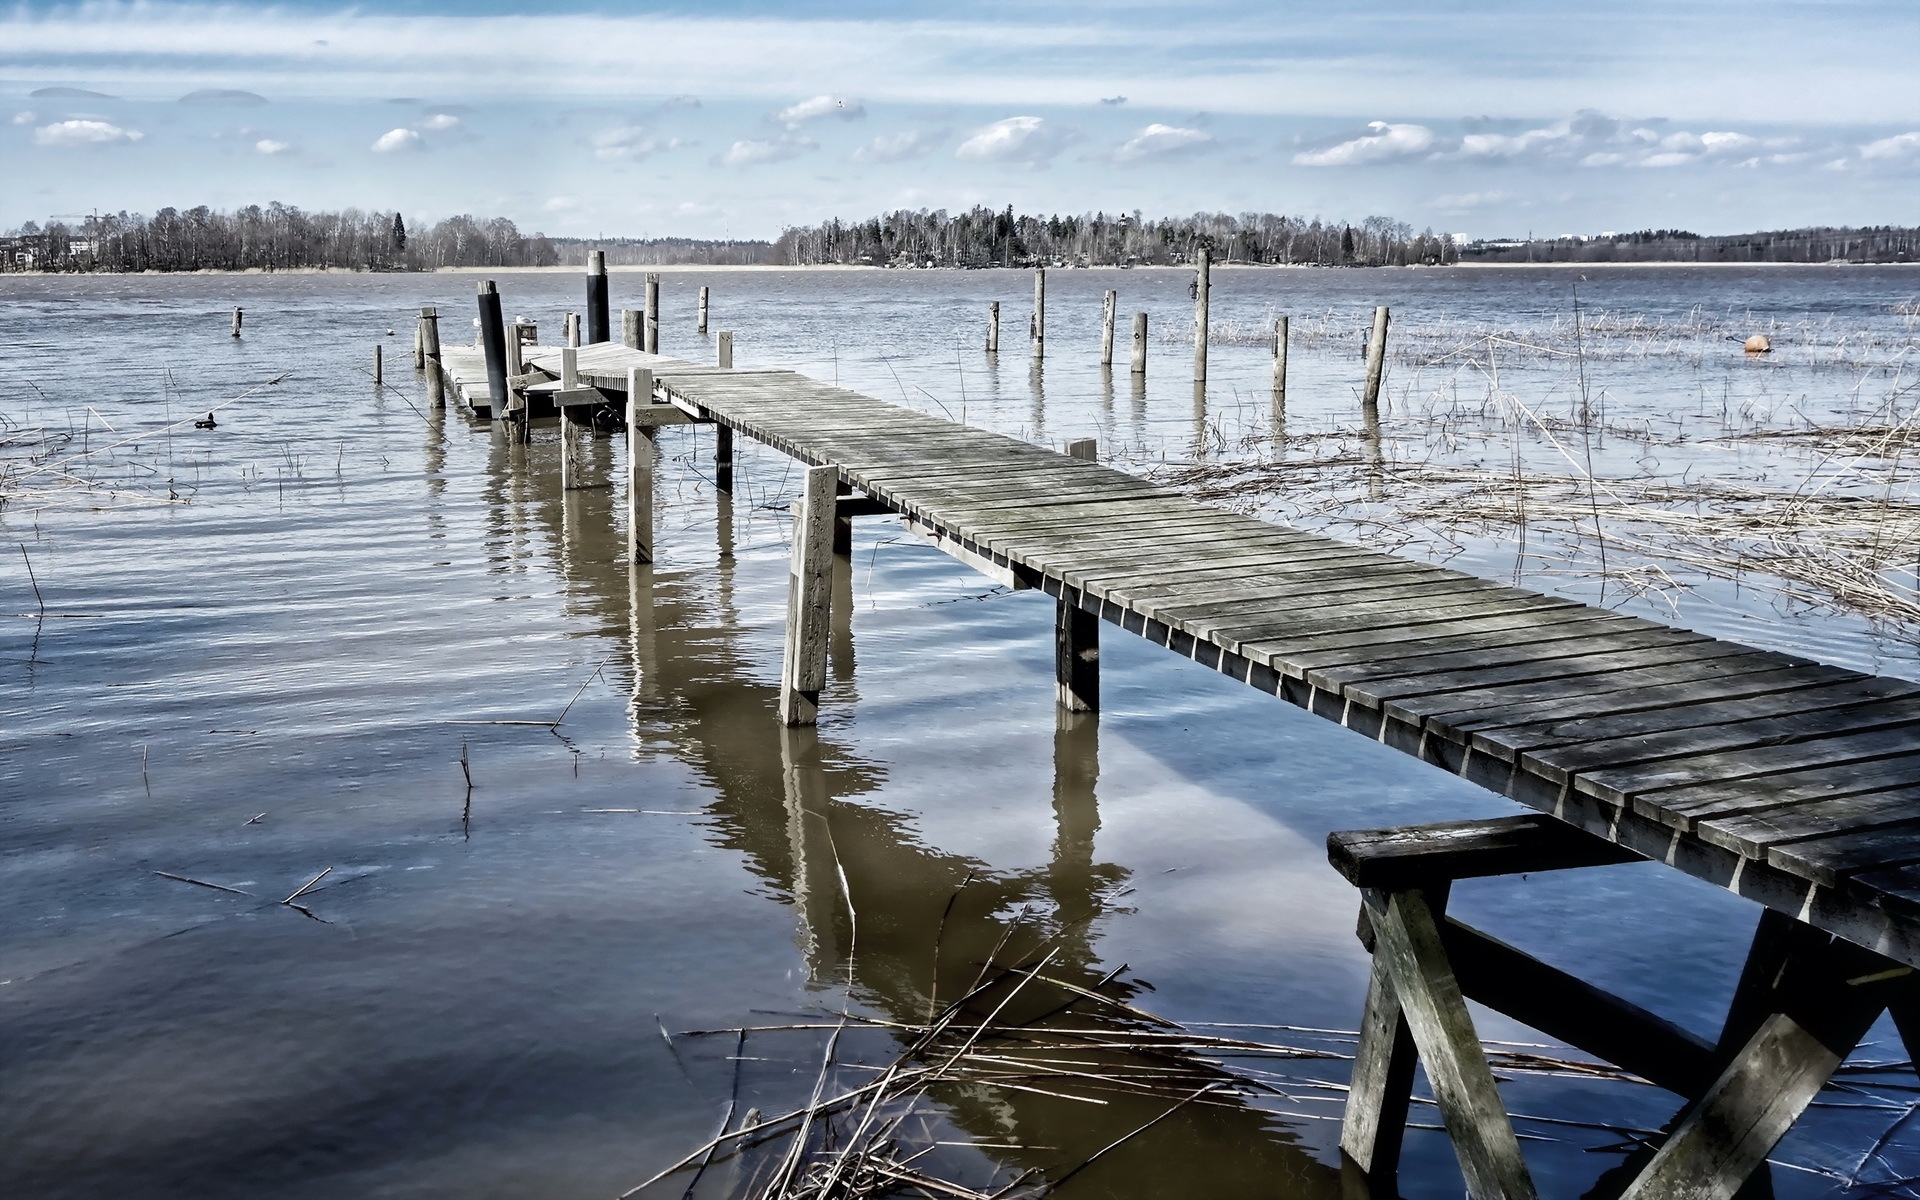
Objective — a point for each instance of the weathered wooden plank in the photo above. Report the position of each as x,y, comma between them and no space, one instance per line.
1381,617
1754,672
1286,654
1411,856
1683,806
1843,851
1618,785
1753,833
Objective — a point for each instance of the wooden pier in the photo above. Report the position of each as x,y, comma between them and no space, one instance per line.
1793,784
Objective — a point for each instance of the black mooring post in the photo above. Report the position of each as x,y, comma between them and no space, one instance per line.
598,329
493,338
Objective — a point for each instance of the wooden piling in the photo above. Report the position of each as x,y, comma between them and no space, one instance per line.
630,328
419,346
652,345
1106,327
597,324
1140,344
1280,365
1076,632
573,330
493,338
1202,292
377,380
569,380
1039,312
237,316
430,339
722,433
1376,368
703,308
803,665
639,468
993,327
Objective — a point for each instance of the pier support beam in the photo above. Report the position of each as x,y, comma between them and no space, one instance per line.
1076,633
569,380
723,433
430,343
803,666
652,332
493,340
639,468
630,328
597,330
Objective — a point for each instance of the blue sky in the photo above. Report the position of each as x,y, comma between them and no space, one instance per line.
735,118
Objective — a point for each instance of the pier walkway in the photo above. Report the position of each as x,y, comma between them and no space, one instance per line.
1791,783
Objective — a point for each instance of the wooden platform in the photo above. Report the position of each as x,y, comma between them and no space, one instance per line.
1791,783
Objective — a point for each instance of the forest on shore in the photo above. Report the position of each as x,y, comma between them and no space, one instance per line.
281,237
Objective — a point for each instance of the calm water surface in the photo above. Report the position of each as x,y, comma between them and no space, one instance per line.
281,674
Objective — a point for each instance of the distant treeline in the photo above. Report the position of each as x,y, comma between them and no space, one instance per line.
982,237
666,252
278,237
1874,244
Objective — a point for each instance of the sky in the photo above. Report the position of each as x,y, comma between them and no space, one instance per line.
736,118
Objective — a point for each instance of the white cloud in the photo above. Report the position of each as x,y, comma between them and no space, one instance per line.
84,133
1900,145
796,115
395,141
752,153
1383,142
898,147
630,142
1467,201
1033,141
25,118
439,122
270,147
560,204
1161,141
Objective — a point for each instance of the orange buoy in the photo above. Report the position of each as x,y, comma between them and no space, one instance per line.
1759,344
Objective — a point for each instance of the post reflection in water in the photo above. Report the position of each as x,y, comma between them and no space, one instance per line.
1037,382
899,926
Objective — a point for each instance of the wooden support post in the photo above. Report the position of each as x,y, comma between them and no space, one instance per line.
703,308
377,370
1039,312
1106,327
842,522
1280,366
993,327
723,434
652,344
639,468
597,330
1076,633
493,337
420,345
237,317
1140,344
630,328
803,666
1381,1088
1429,997
1376,368
573,330
569,380
1202,291
436,382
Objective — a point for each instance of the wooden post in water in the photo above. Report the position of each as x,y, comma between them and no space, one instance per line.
419,346
493,338
377,380
803,665
1280,365
1039,312
569,380
630,328
1140,344
993,327
652,345
703,308
1076,633
430,339
723,434
639,468
1106,327
597,330
1376,368
1202,291
573,330
237,316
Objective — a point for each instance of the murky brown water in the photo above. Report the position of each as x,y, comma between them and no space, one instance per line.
281,676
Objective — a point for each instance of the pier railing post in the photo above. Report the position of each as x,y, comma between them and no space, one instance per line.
493,340
723,434
652,344
1039,312
1140,343
597,331
1202,291
630,328
803,665
1106,327
639,467
703,308
993,327
1076,633
1376,368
